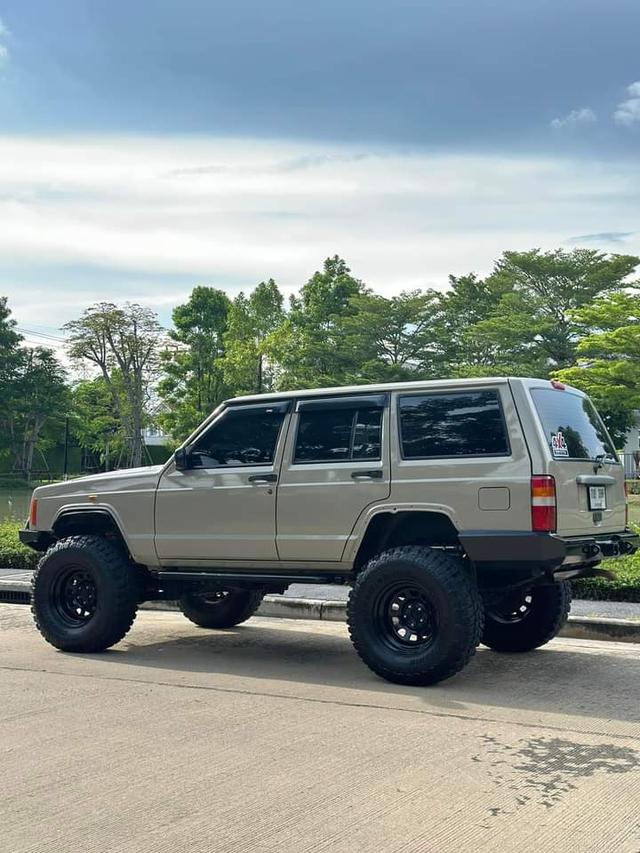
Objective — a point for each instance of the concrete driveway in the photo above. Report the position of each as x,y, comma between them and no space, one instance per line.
274,737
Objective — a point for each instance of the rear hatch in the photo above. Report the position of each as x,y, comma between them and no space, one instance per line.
582,459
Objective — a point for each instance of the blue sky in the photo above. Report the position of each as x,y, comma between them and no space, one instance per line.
149,146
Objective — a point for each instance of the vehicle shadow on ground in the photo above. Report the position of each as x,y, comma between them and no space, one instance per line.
557,679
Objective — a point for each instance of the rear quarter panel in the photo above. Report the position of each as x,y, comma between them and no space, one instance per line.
453,486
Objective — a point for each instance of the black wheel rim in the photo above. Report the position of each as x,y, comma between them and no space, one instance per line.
406,618
75,597
515,609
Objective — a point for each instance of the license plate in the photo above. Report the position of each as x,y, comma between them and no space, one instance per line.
597,497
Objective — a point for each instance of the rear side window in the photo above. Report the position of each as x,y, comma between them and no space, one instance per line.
464,423
571,425
338,435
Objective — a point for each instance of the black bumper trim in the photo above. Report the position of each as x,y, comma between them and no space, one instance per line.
546,550
39,540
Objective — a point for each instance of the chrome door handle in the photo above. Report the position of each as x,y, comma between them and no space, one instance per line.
367,475
263,478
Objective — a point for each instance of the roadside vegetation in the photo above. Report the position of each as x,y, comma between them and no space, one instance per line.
574,315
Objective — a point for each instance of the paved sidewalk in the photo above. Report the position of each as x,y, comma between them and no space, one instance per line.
596,609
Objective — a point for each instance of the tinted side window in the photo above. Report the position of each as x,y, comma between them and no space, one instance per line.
467,423
240,438
338,435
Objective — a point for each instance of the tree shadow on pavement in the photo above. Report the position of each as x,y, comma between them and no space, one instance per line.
563,678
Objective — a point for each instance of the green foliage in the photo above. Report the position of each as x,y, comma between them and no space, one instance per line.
193,383
306,346
608,358
246,365
13,554
392,339
94,422
624,587
521,319
122,342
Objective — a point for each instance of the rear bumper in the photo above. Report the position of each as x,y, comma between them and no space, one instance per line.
546,551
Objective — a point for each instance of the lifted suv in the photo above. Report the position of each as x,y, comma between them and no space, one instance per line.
457,511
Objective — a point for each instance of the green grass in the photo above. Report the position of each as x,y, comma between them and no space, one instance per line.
13,554
625,586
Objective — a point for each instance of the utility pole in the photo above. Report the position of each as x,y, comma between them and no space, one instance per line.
65,463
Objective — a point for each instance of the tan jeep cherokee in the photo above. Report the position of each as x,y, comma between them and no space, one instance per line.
456,510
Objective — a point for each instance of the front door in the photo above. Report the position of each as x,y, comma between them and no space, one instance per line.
336,464
223,507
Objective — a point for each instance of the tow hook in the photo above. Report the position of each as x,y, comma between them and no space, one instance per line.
591,550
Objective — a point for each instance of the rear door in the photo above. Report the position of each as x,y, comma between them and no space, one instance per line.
336,463
582,459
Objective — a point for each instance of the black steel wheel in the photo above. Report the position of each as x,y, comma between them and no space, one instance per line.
221,608
74,596
406,617
414,615
84,594
526,619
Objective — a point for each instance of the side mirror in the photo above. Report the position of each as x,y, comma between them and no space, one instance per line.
182,459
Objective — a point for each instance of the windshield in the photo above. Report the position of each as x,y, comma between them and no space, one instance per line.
572,426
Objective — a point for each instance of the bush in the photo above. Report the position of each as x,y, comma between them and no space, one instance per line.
625,586
13,554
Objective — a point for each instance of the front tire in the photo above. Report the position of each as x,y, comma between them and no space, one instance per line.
414,615
222,608
527,620
84,594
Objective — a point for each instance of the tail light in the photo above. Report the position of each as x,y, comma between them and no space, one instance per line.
543,504
33,513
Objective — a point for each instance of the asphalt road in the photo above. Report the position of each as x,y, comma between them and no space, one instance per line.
274,737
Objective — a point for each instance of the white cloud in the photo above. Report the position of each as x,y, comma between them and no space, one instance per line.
148,218
585,115
628,112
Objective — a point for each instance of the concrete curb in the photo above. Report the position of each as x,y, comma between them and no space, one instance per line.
578,627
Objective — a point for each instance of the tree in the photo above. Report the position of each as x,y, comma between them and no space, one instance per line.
608,365
390,339
123,342
95,423
306,346
252,320
38,414
193,383
10,359
544,291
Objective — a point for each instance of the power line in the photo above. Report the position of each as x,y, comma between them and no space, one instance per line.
44,335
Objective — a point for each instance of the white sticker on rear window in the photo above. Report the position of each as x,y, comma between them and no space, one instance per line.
559,445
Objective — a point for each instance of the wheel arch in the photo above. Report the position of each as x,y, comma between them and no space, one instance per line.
390,528
73,521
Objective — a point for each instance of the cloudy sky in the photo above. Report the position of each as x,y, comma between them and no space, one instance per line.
147,147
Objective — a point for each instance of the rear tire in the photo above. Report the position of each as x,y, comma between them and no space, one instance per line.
529,620
221,609
84,594
414,615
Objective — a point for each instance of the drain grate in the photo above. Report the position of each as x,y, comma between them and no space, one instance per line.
15,596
